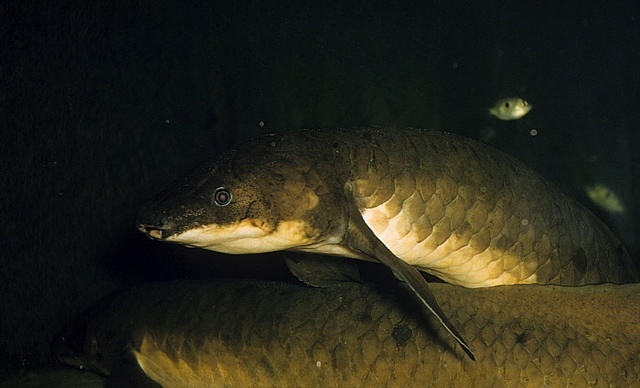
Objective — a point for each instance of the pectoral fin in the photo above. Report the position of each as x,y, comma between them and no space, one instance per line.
322,271
361,238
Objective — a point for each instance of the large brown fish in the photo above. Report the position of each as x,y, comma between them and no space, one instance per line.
408,198
244,333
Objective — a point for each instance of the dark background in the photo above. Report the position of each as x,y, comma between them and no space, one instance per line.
103,104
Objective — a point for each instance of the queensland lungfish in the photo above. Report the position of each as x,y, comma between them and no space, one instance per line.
411,199
248,333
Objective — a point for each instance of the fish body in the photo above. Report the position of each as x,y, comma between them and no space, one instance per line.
450,206
262,333
410,199
510,108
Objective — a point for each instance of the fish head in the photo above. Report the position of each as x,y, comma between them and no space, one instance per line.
255,199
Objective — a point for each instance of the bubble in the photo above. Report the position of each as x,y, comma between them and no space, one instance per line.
533,132
455,65
167,121
261,123
273,144
524,222
483,189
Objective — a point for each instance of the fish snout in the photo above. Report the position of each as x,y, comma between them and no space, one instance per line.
156,225
160,224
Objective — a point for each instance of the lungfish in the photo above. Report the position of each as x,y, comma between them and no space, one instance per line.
411,199
249,333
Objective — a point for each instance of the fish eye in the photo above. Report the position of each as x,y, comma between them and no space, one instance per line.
506,104
222,196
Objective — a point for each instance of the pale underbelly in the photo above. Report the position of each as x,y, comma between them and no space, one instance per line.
458,257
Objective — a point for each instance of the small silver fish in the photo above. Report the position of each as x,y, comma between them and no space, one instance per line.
510,108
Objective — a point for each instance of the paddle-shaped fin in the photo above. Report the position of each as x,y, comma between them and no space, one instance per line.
361,238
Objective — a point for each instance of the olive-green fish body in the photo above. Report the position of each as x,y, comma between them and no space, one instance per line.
447,205
259,333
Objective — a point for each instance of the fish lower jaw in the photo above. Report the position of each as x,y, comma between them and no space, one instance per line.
154,234
245,237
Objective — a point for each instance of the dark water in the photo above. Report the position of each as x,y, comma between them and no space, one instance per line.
102,104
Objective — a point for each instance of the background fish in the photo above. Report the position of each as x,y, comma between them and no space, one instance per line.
264,333
510,108
605,198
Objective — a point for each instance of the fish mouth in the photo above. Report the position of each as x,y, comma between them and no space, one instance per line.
154,232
